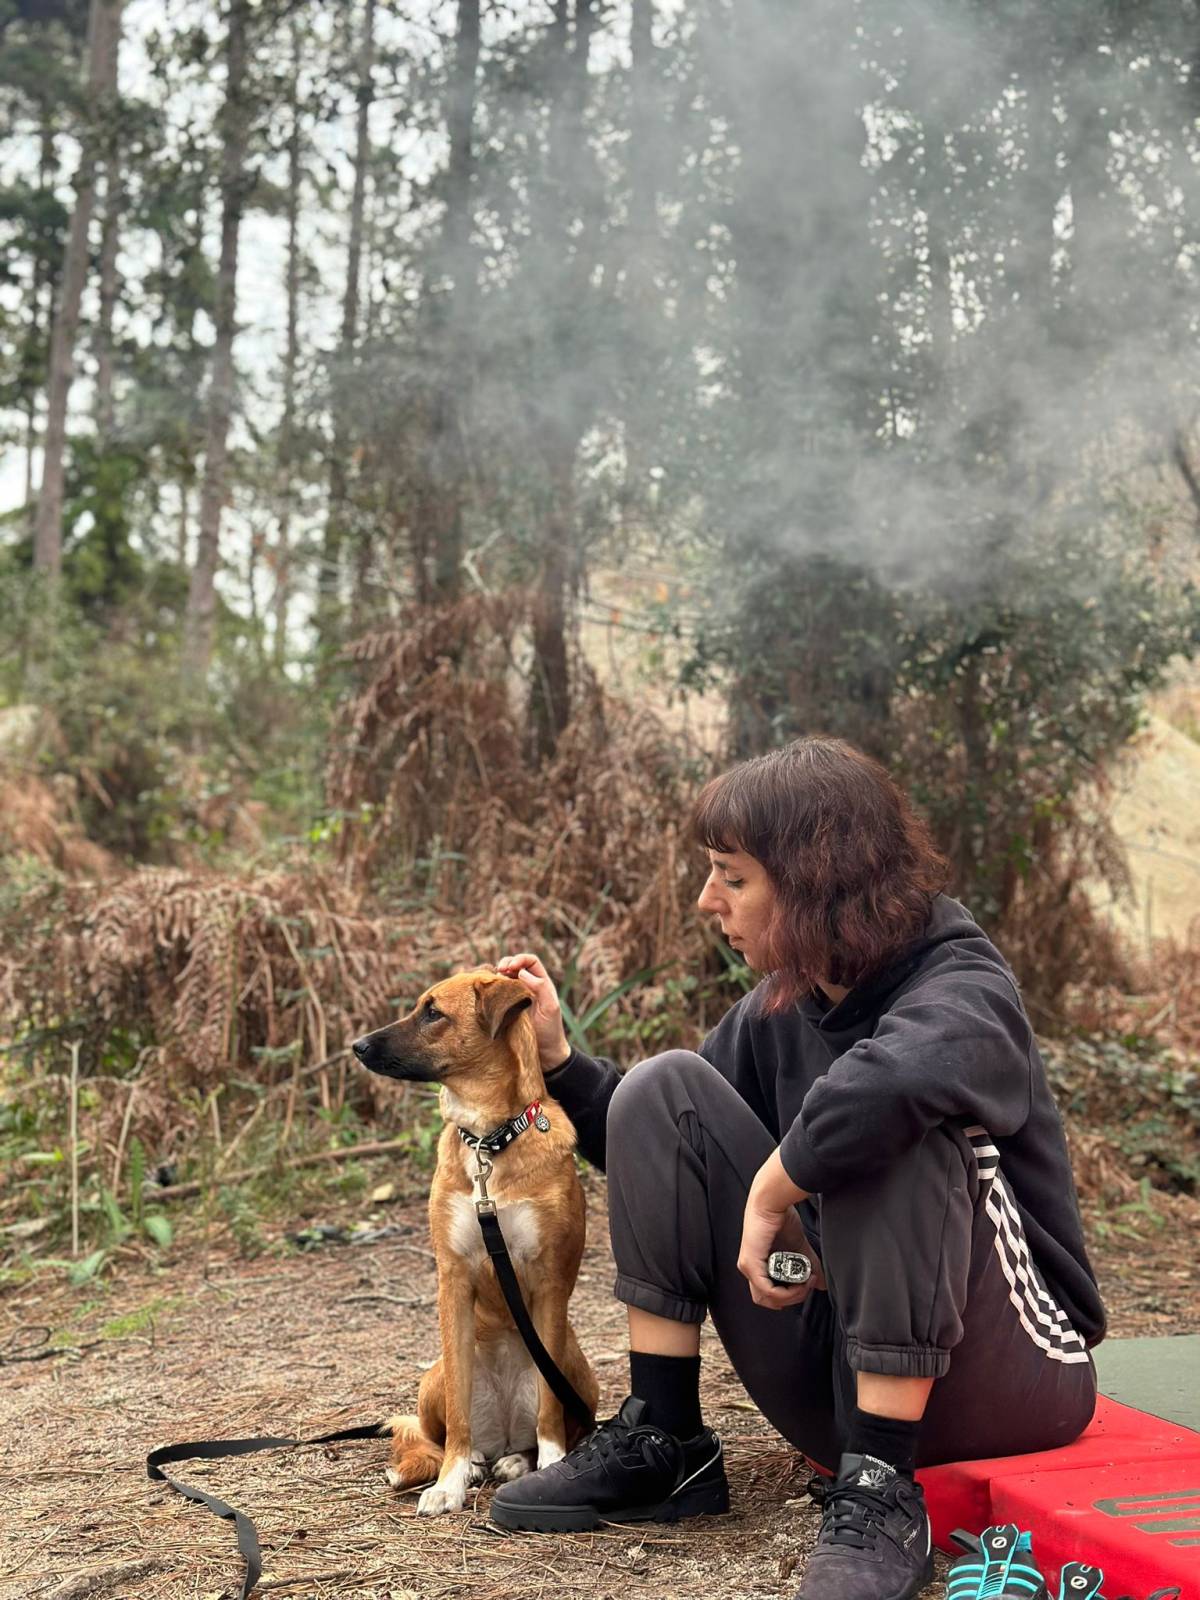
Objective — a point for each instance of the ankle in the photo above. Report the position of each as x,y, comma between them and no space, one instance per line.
670,1387
886,1439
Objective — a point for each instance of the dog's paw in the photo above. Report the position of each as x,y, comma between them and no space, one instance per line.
449,1493
437,1499
514,1466
395,1481
476,1469
549,1451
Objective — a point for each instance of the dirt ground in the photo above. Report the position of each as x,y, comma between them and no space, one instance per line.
301,1344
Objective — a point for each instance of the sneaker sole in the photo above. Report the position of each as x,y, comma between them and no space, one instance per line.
709,1501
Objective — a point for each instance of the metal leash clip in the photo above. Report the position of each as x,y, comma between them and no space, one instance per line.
484,1206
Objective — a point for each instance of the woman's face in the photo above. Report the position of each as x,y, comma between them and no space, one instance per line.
741,895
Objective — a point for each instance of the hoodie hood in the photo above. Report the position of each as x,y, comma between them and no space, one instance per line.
950,923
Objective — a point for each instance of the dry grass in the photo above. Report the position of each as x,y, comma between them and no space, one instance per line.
1161,1001
298,1345
304,1345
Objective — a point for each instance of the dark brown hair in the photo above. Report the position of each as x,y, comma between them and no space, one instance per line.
854,868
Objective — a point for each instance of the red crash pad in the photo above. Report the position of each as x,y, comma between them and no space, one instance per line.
1125,1496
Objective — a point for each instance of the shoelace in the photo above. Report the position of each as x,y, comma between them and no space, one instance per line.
855,1516
609,1438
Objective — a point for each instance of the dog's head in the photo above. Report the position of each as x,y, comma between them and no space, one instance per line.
466,1028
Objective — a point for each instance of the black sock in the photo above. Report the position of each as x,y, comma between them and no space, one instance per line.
885,1438
670,1386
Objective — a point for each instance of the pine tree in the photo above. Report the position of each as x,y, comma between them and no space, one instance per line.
235,126
104,32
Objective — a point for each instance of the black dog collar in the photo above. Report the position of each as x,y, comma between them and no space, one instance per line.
500,1138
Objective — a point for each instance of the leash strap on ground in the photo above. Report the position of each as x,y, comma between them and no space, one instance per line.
210,1450
560,1385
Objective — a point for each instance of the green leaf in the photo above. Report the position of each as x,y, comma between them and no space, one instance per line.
594,1012
137,1176
159,1229
81,1272
118,1223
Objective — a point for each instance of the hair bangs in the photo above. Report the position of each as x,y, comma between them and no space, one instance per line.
720,817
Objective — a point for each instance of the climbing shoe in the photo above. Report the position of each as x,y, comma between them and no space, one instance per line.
997,1566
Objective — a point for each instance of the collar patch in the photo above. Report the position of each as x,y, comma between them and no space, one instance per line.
501,1137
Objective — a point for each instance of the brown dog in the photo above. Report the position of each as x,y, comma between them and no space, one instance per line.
483,1406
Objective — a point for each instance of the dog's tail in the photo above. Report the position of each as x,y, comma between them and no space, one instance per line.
415,1459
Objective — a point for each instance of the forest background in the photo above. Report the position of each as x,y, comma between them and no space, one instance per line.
436,436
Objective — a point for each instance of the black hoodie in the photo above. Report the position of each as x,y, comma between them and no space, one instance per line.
940,1036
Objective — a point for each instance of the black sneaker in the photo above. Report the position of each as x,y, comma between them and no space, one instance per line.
628,1470
874,1542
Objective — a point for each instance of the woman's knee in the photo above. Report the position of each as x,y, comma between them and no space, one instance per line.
663,1085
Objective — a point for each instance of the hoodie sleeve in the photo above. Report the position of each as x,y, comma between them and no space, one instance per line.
957,1046
583,1086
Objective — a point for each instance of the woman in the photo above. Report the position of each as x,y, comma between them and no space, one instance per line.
878,1103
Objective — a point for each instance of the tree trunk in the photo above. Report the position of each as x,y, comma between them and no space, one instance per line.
183,527
37,283
641,273
1033,325
939,207
452,404
330,573
201,603
550,698
104,32
287,427
550,685
109,287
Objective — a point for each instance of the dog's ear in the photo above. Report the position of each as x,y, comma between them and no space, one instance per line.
498,1002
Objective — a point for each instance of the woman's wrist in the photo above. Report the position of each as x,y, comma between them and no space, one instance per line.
775,1190
557,1057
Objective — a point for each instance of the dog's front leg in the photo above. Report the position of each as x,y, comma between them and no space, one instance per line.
456,1316
550,1319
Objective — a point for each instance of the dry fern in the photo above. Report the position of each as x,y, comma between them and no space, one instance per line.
580,857
223,973
36,820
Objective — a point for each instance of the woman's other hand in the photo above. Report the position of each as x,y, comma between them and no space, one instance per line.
553,1048
770,1223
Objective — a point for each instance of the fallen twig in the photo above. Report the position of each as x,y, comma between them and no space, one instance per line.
386,1147
85,1585
392,1299
309,1577
73,1135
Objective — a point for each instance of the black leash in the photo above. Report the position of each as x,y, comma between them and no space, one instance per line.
210,1450
493,1239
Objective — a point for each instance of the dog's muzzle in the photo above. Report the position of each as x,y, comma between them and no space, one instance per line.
378,1054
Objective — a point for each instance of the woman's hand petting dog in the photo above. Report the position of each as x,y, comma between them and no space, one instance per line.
553,1048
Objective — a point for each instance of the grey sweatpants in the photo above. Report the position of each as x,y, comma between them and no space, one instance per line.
926,1262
